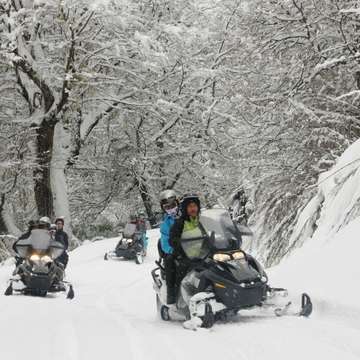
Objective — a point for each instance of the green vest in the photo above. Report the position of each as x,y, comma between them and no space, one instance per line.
192,230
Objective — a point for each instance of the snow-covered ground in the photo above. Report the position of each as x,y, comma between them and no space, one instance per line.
114,314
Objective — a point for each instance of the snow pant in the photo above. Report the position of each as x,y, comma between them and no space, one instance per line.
170,277
175,271
63,259
188,288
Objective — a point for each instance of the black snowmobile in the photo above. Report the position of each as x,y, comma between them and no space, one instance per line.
37,272
129,247
222,279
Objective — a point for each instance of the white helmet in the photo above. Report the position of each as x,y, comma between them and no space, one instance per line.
167,196
45,220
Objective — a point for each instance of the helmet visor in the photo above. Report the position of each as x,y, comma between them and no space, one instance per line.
170,204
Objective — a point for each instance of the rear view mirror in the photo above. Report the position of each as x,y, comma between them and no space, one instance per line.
244,230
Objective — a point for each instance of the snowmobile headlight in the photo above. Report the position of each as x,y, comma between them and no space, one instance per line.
129,241
34,257
222,257
46,259
238,255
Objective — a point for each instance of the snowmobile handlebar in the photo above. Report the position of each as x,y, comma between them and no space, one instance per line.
158,263
155,276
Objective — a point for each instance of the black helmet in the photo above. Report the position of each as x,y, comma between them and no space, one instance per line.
60,218
186,200
31,223
133,218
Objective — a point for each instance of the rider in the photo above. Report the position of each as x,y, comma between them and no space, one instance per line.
31,224
187,226
143,226
62,237
139,221
25,235
170,205
44,223
239,208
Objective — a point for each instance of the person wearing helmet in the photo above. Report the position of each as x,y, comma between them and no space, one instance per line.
169,205
44,223
31,225
26,235
62,237
185,227
188,224
140,223
141,226
133,219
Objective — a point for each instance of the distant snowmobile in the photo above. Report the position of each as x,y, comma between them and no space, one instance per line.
39,273
130,246
222,280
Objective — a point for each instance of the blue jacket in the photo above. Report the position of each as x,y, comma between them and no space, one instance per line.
165,226
145,240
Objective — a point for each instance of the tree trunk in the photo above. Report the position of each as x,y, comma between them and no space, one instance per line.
7,223
3,227
42,185
60,158
147,202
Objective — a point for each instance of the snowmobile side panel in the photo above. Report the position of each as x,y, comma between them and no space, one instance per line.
128,254
236,295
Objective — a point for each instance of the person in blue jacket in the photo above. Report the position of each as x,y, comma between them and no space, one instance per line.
139,222
170,205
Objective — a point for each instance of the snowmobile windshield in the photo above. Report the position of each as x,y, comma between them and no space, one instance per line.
223,233
39,241
196,248
129,231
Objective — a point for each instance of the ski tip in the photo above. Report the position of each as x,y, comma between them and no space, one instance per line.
306,305
71,294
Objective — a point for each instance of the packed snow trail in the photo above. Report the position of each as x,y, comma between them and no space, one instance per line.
113,316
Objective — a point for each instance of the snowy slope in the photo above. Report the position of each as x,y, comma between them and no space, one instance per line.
336,203
329,228
113,316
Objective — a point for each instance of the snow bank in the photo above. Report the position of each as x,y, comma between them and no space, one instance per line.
328,227
336,203
328,270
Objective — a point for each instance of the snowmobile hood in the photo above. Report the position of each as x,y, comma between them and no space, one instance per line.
242,271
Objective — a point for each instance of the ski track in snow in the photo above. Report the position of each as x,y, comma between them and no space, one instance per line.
114,315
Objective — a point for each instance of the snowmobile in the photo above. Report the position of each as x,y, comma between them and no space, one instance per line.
222,280
38,273
129,247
